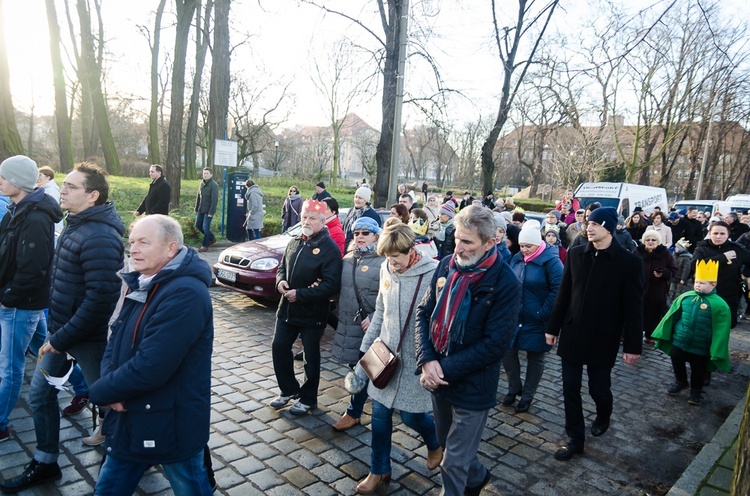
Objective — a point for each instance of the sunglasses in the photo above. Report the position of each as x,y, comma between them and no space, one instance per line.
361,233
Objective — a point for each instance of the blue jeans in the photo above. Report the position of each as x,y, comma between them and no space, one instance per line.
43,397
17,327
77,381
382,430
203,224
253,234
120,477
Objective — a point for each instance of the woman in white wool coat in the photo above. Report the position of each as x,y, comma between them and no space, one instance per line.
399,283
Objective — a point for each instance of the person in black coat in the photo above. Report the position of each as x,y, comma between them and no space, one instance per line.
736,228
309,275
734,262
600,301
159,194
658,268
690,228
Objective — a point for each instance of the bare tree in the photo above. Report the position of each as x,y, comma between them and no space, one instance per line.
62,119
91,70
508,40
10,140
154,43
173,168
201,47
338,81
219,94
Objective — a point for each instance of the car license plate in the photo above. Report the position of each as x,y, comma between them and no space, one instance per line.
227,275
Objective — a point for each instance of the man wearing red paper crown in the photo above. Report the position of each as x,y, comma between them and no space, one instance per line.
309,276
465,324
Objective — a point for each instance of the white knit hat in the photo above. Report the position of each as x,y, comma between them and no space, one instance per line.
363,193
530,233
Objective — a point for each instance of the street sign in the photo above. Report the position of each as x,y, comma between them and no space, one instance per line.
225,153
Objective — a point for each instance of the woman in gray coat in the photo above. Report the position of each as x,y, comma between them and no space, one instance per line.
361,277
254,208
404,276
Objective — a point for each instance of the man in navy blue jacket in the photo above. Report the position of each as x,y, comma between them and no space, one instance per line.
156,371
465,324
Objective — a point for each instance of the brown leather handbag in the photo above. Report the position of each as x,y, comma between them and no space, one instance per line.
379,362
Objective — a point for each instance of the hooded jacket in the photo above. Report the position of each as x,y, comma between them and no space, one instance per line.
27,239
254,218
158,363
305,262
85,284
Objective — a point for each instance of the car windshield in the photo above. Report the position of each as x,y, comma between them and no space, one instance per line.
605,202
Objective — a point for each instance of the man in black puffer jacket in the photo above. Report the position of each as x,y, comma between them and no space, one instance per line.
85,290
26,249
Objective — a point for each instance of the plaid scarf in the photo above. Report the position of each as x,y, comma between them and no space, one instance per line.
452,308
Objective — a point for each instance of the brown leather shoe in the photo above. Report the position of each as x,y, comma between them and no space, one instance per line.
345,423
371,483
434,457
203,249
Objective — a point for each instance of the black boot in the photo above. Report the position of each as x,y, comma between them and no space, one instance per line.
695,397
36,473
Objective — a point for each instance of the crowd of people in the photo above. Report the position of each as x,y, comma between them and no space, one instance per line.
457,290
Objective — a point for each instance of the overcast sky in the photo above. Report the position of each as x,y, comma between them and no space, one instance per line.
283,38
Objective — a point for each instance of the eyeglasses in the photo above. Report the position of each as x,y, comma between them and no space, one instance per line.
293,191
361,233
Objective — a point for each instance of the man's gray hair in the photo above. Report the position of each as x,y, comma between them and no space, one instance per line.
478,219
168,229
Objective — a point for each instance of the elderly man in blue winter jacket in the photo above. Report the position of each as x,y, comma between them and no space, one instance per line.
156,371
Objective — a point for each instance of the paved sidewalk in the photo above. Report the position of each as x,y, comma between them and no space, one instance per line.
258,450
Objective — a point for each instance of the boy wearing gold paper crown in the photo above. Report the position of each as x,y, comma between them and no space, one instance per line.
696,330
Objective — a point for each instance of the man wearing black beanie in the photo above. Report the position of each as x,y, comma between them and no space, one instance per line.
599,301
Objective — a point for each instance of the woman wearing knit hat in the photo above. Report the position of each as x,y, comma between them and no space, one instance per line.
360,274
658,269
539,269
361,208
445,238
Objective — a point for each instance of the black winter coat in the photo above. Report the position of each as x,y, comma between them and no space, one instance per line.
690,229
27,240
655,288
600,300
317,259
728,284
157,199
472,369
85,284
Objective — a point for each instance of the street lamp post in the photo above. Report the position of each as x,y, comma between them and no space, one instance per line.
276,158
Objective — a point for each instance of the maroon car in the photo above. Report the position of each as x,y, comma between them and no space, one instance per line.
250,267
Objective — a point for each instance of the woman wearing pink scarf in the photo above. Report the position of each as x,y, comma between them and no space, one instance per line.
539,269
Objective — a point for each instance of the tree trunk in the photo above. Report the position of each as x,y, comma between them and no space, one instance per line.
391,27
62,119
10,140
201,47
219,93
92,72
185,13
154,156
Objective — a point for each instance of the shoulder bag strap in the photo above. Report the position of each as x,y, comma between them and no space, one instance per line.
354,281
408,318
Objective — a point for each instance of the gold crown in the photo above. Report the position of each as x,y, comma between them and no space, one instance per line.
707,270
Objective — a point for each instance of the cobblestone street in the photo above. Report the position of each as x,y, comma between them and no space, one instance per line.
259,450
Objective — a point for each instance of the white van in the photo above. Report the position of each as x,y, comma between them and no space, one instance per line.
739,203
709,207
625,197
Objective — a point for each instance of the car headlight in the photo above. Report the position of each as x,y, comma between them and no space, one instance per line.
264,264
